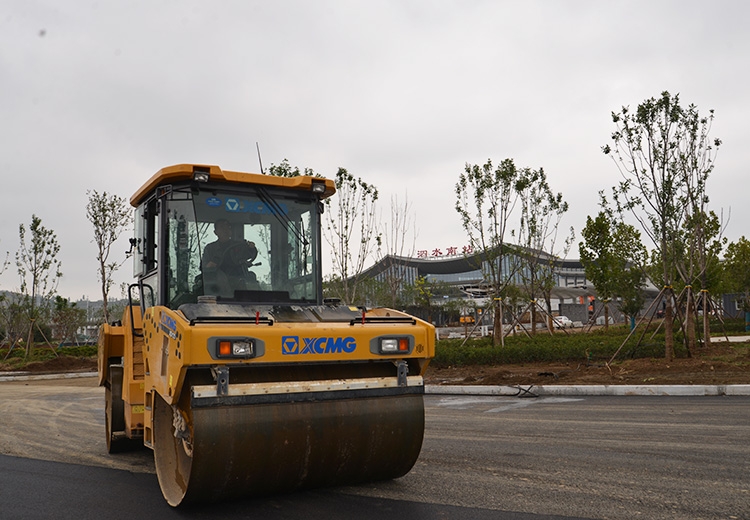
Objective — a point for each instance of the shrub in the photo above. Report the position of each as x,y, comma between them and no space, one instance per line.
596,346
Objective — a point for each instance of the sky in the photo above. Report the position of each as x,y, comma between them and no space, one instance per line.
403,94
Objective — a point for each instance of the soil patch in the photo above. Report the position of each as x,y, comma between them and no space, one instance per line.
61,364
720,364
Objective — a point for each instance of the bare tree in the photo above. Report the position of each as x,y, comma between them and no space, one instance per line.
5,263
351,230
398,238
109,214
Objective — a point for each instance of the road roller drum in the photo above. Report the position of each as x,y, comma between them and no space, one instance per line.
235,451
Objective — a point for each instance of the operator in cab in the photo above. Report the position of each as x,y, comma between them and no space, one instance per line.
226,262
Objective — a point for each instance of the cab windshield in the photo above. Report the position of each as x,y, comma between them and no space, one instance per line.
249,245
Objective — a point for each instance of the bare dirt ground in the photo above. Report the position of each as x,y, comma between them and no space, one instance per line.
60,364
721,364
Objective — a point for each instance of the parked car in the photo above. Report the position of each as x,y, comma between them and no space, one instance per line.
563,322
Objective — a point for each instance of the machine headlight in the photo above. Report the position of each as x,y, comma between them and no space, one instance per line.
318,187
235,348
201,176
394,345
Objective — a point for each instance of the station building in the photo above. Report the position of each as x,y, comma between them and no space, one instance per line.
462,278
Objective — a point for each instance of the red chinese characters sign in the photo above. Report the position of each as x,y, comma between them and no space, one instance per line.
449,252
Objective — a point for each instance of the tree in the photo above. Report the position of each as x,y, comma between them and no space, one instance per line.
351,230
485,198
698,265
702,242
541,213
613,257
653,148
13,319
109,214
349,226
630,293
39,270
423,291
5,263
284,169
737,273
67,318
396,244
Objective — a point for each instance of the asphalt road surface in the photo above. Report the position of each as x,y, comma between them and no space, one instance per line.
483,457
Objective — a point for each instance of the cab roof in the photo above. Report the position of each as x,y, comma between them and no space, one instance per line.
184,172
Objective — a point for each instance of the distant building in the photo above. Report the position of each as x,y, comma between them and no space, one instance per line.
463,278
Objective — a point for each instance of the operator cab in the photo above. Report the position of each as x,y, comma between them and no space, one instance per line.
203,235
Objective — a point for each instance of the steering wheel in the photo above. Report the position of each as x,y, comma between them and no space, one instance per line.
241,252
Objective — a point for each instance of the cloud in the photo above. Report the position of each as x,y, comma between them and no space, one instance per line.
402,94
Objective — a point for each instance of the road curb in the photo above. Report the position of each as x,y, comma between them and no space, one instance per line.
508,391
589,390
27,376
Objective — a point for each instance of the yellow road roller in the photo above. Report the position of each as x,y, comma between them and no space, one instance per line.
231,366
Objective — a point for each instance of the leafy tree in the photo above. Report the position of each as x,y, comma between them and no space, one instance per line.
287,170
698,266
485,199
39,270
109,214
631,294
67,318
423,291
374,293
513,299
702,241
653,148
332,287
453,309
613,257
737,273
13,319
541,213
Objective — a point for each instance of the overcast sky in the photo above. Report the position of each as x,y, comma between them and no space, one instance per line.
100,95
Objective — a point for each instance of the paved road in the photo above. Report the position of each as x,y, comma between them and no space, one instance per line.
483,457
597,457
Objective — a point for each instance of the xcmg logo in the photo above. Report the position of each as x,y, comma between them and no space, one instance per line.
290,345
169,325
